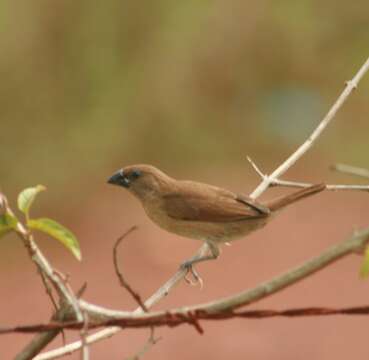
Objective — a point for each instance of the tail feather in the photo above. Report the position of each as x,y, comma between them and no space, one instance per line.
283,201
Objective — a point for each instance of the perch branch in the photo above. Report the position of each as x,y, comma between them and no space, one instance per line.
225,307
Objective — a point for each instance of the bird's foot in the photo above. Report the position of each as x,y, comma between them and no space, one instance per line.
187,265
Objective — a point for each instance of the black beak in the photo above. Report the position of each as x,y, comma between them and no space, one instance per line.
119,179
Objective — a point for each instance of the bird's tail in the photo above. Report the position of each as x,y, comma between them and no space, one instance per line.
283,201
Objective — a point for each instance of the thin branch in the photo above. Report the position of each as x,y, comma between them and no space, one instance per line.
297,184
81,290
53,301
256,168
85,351
171,320
48,274
44,266
350,86
37,344
151,341
332,187
135,295
351,170
41,340
47,287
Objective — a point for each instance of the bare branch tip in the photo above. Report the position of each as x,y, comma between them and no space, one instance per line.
256,168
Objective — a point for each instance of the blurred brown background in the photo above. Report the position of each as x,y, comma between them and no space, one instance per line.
192,87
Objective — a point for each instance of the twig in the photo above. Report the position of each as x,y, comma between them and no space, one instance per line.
136,296
47,272
297,184
256,168
82,290
332,187
44,266
351,170
350,86
48,290
85,353
105,333
78,313
53,301
151,341
40,341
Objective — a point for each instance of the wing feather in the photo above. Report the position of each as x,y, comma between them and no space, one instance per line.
211,205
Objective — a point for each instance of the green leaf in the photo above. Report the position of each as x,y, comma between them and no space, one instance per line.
364,271
27,196
7,223
58,232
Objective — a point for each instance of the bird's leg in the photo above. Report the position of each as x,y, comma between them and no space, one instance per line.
214,254
188,264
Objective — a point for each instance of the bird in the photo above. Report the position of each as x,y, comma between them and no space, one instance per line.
200,211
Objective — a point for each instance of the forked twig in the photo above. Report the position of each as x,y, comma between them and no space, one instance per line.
302,149
297,184
135,295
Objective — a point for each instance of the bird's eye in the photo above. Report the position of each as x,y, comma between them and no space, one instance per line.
135,174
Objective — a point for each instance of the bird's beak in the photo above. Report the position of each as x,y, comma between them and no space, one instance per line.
119,179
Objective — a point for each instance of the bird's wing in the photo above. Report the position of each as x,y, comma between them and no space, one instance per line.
211,206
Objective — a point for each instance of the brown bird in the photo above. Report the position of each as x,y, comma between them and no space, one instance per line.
200,211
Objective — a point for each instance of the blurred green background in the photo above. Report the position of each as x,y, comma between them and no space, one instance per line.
89,86
192,87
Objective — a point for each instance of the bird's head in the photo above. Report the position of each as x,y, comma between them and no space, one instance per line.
141,180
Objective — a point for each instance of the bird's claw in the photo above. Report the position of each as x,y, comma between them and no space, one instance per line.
195,275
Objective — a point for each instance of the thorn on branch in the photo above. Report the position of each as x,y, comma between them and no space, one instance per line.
351,84
119,273
82,290
195,322
256,168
